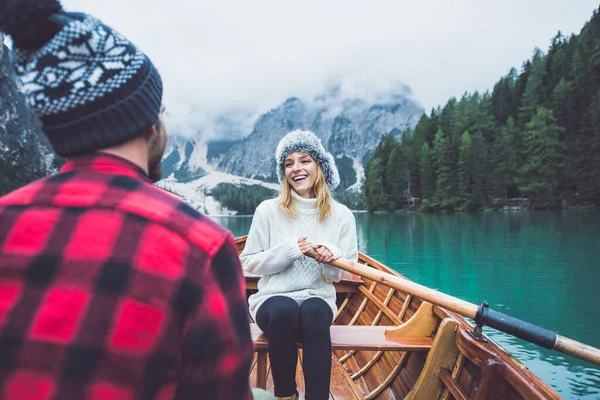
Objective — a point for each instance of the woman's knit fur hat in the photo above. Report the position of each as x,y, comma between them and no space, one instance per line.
308,143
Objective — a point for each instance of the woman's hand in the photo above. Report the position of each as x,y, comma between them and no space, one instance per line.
324,255
305,246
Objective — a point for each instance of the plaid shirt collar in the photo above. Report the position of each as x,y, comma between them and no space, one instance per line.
105,163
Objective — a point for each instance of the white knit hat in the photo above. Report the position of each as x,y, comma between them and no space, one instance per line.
307,142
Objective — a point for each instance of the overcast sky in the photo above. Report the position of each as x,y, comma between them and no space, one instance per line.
251,55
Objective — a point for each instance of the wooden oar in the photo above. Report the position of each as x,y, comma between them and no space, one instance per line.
481,314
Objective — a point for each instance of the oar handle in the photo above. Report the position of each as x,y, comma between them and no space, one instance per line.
514,326
536,334
481,314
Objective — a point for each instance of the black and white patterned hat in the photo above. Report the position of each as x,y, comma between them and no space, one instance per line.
90,86
307,142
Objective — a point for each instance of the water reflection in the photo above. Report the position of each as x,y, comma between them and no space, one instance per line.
541,267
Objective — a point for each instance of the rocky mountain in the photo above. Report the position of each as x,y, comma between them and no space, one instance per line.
186,160
350,128
253,156
24,152
188,171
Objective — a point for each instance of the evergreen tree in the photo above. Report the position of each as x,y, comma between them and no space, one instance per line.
425,131
412,154
243,199
427,173
504,161
555,63
520,86
398,174
446,167
448,118
587,147
562,105
503,102
533,89
383,152
465,165
375,196
479,170
543,159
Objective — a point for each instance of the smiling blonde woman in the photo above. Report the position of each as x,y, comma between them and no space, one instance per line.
296,297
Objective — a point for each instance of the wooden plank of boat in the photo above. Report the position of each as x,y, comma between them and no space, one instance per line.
358,337
456,366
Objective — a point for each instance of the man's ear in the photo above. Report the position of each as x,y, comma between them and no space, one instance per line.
150,132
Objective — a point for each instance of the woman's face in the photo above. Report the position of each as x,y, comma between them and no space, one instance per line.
301,173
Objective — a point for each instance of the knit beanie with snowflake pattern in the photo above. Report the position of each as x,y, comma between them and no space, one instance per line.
90,86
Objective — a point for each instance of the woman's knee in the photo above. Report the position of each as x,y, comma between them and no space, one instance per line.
315,311
282,311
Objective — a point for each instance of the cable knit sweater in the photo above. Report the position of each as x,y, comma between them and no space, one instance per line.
272,251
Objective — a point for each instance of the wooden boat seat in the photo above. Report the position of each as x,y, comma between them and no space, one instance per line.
343,337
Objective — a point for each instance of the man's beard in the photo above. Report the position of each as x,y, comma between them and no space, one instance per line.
154,169
155,159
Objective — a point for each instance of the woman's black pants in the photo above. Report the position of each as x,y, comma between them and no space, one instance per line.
286,323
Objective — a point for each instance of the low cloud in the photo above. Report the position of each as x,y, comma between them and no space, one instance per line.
224,63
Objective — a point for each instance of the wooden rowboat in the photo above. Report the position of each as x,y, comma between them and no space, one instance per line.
391,345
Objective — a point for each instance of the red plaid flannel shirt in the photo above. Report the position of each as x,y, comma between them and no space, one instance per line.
111,288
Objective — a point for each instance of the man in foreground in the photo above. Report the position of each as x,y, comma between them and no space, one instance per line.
110,288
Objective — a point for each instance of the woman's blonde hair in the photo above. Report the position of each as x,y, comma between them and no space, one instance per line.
286,201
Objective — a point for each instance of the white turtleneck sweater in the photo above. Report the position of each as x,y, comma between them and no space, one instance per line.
272,251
